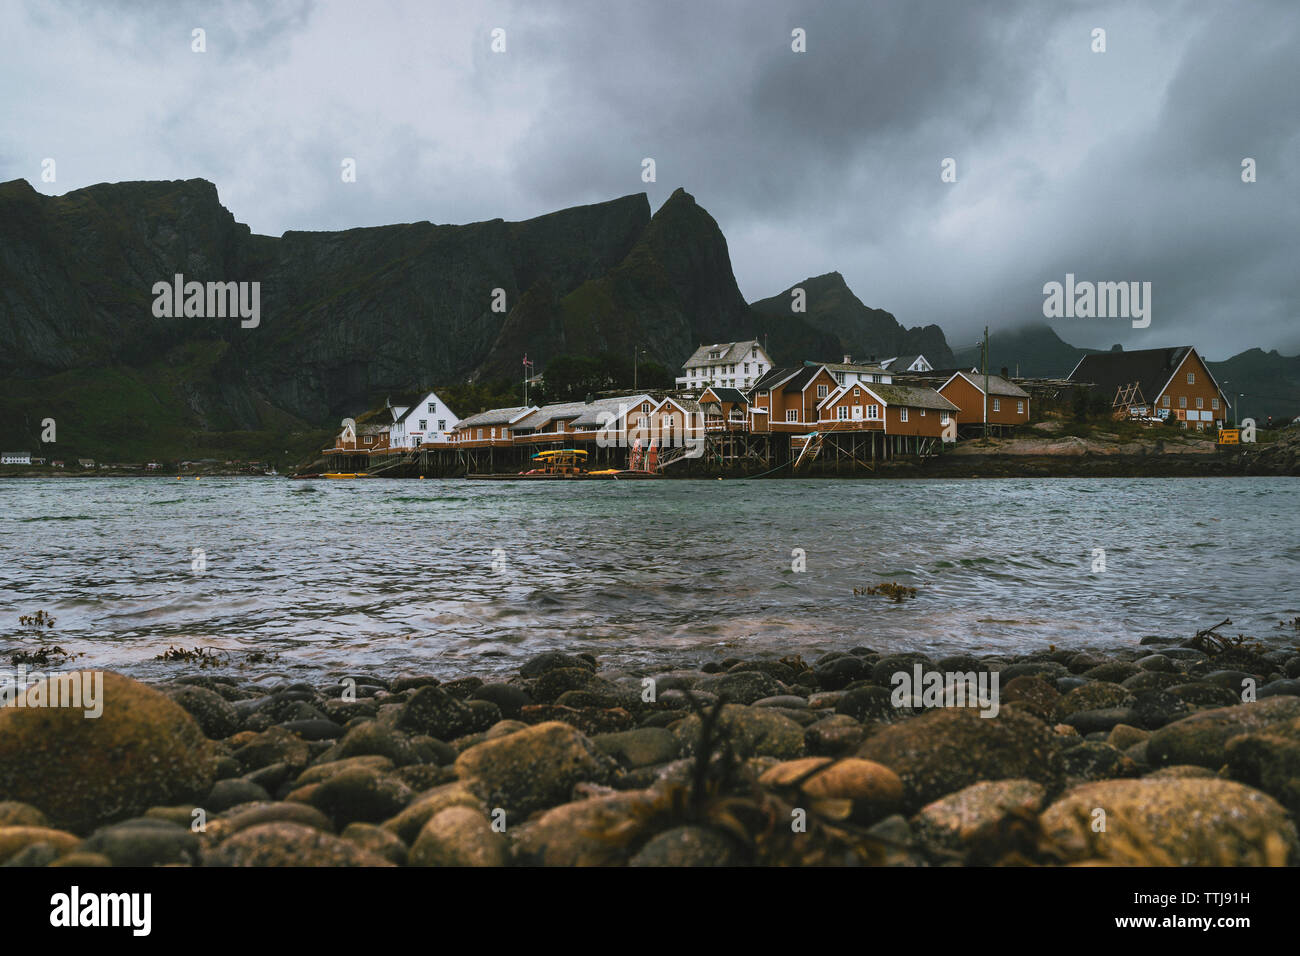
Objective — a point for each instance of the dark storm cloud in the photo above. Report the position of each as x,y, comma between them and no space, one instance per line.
1116,165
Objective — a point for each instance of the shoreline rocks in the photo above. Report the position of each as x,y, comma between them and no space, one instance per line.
738,762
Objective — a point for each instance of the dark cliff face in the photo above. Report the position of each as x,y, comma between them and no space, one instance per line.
345,316
862,332
673,289
76,271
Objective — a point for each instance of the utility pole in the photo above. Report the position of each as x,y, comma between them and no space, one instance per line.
636,354
527,366
986,382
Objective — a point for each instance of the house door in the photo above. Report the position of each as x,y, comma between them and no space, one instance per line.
857,413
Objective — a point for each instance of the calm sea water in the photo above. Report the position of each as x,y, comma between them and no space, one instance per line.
458,576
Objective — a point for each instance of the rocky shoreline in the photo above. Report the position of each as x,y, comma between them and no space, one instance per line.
1145,755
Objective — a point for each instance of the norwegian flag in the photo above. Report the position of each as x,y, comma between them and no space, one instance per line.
527,364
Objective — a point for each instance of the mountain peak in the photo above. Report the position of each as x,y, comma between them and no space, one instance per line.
832,307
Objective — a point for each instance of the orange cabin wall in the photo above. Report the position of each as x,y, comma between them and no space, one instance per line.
970,404
1202,388
926,425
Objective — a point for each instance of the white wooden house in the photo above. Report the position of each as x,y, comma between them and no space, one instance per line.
908,363
426,420
725,364
849,372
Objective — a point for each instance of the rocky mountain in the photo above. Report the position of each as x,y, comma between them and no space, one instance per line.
1035,350
346,317
860,331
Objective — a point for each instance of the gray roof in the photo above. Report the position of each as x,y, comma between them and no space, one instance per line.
689,405
910,396
495,416
549,413
902,362
733,395
771,379
864,367
372,429
997,384
1150,368
594,416
731,352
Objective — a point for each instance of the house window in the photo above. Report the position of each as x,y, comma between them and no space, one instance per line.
494,433
746,368
666,423
1182,401
842,413
442,424
643,421
1200,402
369,441
997,405
1191,378
480,434
1166,401
791,414
823,391
1214,404
1020,408
839,377
943,418
857,393
433,407
645,406
424,424
923,413
873,413
902,414
753,353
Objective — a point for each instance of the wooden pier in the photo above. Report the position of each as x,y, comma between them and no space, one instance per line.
737,453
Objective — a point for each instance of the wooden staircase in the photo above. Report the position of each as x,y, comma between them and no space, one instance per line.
812,447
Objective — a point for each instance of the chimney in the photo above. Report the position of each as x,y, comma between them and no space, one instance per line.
1004,372
848,360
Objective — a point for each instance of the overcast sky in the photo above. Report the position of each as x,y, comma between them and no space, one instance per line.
1122,165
